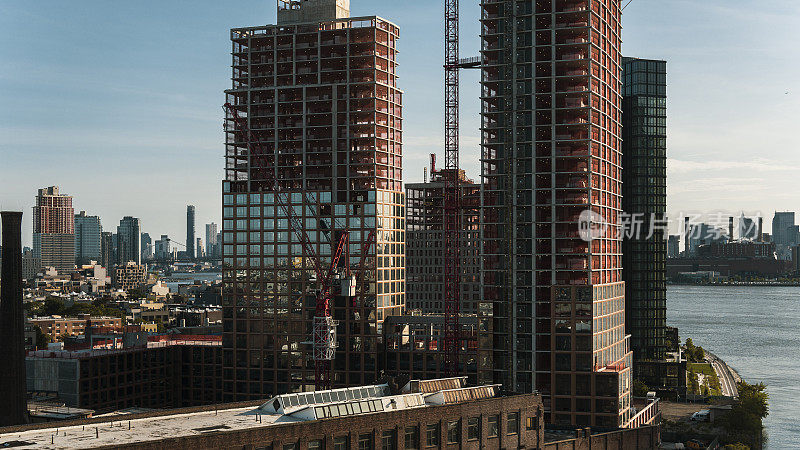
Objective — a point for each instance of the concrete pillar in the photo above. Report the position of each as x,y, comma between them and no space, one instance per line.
13,389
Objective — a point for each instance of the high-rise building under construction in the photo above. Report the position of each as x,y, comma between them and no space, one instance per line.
54,230
551,164
313,129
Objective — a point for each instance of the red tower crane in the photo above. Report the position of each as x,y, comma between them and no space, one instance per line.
324,327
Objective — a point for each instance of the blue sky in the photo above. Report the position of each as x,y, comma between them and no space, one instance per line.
119,102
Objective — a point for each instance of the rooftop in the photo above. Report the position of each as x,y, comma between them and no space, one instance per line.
282,409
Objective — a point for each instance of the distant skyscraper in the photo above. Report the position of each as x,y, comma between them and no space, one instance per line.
674,246
784,233
644,198
200,249
88,236
190,213
147,246
162,248
211,239
54,230
107,250
129,240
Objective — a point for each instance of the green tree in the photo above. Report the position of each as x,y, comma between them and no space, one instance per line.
640,389
745,421
42,338
737,446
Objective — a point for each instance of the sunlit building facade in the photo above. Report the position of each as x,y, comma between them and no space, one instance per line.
321,99
551,152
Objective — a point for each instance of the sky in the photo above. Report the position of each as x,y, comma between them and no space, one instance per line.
119,103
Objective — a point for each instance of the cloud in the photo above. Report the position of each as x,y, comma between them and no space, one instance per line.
682,166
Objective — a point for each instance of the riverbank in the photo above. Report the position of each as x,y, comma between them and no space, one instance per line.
728,378
738,284
756,331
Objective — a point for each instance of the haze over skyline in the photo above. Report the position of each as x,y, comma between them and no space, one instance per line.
119,103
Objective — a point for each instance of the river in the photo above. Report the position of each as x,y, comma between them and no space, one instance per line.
756,330
177,279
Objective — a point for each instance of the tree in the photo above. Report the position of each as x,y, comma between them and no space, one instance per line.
745,421
42,338
640,389
737,446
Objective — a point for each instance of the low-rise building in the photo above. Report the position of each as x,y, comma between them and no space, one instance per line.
130,276
57,326
159,372
442,413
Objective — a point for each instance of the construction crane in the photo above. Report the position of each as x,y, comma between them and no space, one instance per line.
452,191
324,339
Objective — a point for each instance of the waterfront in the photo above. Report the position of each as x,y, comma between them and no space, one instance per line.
755,330
176,279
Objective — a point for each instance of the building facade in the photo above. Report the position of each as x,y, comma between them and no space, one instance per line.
147,246
162,248
54,230
88,238
440,414
784,233
107,249
129,241
551,164
644,200
425,245
322,102
190,242
130,276
674,246
211,239
57,326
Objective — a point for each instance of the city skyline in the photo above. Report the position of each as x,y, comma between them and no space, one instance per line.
178,117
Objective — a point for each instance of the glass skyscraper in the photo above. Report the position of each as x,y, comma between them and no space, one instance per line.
644,199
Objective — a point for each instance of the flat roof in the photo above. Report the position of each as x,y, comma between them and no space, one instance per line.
283,409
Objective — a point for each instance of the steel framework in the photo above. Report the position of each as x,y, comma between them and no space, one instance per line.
324,327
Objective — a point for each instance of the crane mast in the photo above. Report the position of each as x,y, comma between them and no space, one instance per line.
452,191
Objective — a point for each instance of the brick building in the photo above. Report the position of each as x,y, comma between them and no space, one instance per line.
439,414
130,276
552,204
57,326
54,230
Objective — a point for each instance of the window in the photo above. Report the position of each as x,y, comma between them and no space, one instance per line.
494,429
453,432
532,423
316,444
474,429
365,441
432,435
389,440
412,438
513,423
292,446
341,443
